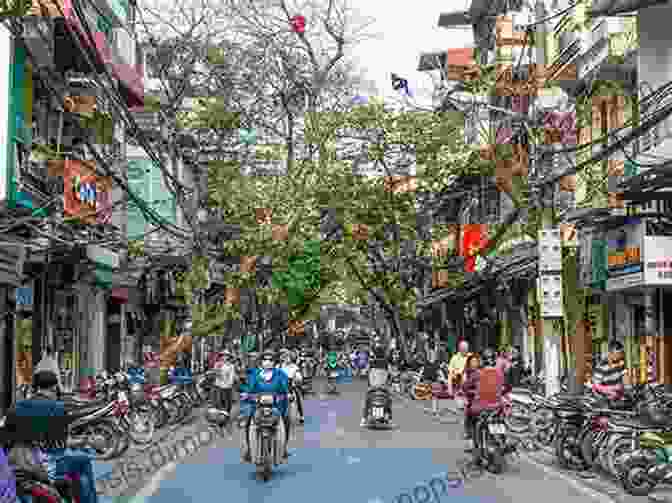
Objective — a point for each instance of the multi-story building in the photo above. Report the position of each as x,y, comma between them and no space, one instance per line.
72,78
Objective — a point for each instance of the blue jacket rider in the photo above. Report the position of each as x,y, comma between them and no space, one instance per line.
266,379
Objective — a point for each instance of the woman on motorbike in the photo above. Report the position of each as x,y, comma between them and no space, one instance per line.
469,388
489,391
266,379
45,434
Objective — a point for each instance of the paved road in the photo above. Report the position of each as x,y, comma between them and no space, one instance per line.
333,460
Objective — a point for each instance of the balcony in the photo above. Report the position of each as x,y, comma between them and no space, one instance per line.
615,7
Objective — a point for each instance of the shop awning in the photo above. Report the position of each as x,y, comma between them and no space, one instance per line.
516,268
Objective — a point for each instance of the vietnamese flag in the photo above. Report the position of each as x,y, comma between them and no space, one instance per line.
474,237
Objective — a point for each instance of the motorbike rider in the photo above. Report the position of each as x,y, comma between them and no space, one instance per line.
266,379
378,372
488,393
469,388
608,376
293,372
49,438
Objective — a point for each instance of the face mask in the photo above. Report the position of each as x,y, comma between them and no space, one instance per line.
267,364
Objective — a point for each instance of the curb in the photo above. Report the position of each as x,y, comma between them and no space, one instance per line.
576,484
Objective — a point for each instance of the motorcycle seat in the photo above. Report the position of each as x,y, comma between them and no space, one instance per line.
84,411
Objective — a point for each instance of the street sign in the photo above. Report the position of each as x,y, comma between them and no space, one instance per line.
550,250
551,296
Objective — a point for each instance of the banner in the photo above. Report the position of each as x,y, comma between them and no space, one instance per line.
474,236
80,191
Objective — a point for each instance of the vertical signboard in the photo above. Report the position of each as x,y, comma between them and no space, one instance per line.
79,186
625,266
6,168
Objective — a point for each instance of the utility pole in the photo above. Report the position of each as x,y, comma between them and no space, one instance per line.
549,288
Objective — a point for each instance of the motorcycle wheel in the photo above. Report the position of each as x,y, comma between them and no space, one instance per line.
614,455
124,441
161,416
172,409
110,447
568,452
265,468
518,421
496,461
184,404
589,449
140,425
635,480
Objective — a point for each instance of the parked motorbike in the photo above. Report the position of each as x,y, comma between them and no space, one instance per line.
307,366
395,380
650,465
332,372
377,403
492,442
267,452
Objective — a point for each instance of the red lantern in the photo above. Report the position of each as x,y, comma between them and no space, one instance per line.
299,24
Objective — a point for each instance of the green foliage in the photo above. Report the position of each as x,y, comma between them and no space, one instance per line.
302,275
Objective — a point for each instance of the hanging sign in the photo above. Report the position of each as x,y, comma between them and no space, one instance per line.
80,192
625,265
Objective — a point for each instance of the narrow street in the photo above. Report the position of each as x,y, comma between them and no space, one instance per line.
334,460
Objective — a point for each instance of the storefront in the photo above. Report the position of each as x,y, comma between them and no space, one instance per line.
639,281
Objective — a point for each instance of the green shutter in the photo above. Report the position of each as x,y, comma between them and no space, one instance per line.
103,276
135,228
599,264
630,169
17,93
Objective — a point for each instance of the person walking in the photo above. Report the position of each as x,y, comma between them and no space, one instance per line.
456,367
225,375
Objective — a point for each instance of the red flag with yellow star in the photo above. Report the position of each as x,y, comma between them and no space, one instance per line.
474,237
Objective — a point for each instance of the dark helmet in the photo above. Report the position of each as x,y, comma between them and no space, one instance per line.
267,355
489,357
45,379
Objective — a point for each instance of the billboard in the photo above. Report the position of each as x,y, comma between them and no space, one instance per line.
6,170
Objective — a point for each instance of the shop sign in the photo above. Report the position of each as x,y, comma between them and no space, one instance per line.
625,266
658,260
80,199
24,297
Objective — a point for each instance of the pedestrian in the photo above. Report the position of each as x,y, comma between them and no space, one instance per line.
609,376
224,380
49,363
457,365
433,375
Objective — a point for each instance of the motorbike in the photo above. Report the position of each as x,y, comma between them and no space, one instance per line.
295,388
377,404
332,372
92,426
645,468
267,452
307,366
492,442
395,379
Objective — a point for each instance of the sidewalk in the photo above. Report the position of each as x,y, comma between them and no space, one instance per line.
124,476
